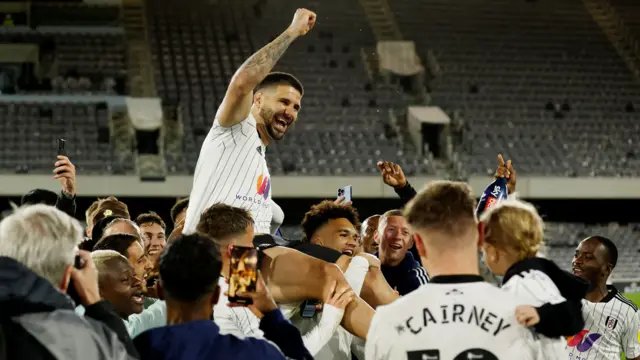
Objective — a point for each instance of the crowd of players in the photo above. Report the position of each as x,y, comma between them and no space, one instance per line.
406,284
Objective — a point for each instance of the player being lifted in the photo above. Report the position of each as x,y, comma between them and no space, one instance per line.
232,167
259,107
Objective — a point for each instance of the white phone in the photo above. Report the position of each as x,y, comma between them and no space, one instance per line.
346,192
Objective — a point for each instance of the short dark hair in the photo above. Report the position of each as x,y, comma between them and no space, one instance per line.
178,208
221,221
39,196
612,249
190,267
277,77
150,218
117,242
321,213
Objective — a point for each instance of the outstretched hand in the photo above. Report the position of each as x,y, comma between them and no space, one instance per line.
392,174
506,170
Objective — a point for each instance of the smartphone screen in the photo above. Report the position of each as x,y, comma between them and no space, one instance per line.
346,192
243,273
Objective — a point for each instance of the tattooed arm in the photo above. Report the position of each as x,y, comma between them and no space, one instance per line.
237,101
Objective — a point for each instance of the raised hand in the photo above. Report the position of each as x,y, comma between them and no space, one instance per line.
506,171
66,172
303,21
392,174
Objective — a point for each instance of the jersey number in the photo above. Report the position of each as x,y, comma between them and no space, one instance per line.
433,354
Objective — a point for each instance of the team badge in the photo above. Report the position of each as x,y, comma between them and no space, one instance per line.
611,322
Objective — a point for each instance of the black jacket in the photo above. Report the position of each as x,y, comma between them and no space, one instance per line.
37,322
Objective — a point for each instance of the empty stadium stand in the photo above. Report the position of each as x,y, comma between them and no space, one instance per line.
75,62
537,80
29,134
343,128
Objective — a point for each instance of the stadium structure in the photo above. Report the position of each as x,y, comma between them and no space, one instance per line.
133,86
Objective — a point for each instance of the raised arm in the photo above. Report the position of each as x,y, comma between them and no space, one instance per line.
237,101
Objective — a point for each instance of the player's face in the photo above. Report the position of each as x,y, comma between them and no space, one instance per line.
142,265
154,238
122,288
339,235
370,242
590,261
279,107
395,239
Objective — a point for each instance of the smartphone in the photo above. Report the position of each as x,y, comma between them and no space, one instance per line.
308,308
346,192
243,273
71,290
61,144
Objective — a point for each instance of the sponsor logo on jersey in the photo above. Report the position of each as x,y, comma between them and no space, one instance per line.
263,186
583,341
611,322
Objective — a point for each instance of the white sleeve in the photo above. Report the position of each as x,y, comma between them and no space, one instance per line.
380,340
320,334
152,317
356,272
239,322
357,347
631,337
534,286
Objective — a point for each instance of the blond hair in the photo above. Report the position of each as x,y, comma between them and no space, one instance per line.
514,226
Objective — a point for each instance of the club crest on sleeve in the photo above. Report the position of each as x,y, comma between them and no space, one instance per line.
611,322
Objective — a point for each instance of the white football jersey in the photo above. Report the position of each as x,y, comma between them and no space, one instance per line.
536,288
612,326
455,317
232,169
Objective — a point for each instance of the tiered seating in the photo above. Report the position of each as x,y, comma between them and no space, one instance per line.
563,238
629,10
505,61
84,63
199,45
29,134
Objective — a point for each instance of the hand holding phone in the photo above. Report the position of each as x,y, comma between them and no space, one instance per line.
84,277
243,273
345,193
261,300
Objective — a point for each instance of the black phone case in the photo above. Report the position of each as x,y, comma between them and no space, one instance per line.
71,290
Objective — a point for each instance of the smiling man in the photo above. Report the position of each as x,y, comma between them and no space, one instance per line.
613,320
399,268
153,229
258,108
333,226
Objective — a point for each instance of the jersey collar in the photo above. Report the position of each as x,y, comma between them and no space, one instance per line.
613,291
455,279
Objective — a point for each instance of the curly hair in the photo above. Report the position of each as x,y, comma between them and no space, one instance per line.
321,213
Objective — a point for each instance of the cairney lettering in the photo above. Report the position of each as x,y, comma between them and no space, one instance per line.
459,314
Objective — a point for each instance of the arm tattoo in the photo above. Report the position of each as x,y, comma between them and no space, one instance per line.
258,66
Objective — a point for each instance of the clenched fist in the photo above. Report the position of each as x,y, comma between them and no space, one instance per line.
303,21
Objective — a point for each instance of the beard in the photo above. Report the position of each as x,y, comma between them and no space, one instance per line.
269,117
